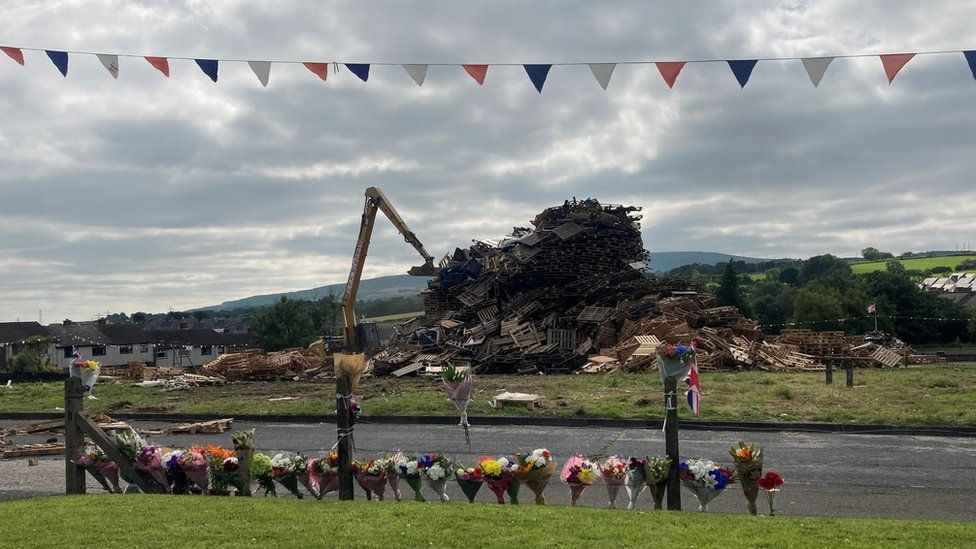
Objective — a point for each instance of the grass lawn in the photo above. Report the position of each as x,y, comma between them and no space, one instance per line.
174,521
916,264
920,395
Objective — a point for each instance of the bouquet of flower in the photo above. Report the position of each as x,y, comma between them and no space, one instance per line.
300,466
437,475
150,461
262,471
614,472
196,464
634,483
705,479
286,473
323,474
372,476
498,475
85,370
232,474
130,444
770,483
393,473
470,480
358,468
219,477
244,450
674,360
656,473
579,473
178,479
102,469
410,468
535,470
748,467
457,384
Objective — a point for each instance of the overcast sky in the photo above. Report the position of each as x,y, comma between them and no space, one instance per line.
148,193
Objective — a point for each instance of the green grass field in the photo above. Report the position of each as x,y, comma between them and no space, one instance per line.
187,521
916,264
919,395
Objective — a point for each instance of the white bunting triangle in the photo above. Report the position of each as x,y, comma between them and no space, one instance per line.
816,67
110,62
602,72
417,72
262,69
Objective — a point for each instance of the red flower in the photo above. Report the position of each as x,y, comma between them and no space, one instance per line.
770,480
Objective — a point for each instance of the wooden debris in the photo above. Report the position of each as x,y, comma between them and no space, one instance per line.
529,400
30,450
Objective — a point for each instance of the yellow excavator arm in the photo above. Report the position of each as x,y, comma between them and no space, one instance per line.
375,200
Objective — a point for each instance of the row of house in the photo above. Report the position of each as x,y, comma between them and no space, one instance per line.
119,344
959,288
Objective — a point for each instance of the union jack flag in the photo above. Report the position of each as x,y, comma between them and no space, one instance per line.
694,386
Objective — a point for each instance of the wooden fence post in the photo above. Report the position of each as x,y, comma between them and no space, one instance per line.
343,432
671,441
850,373
829,371
74,437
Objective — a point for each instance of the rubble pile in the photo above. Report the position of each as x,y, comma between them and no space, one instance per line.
255,365
877,349
570,290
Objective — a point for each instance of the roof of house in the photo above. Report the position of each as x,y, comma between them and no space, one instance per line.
11,332
78,335
189,336
125,334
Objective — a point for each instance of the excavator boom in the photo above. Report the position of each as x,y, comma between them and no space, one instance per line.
375,200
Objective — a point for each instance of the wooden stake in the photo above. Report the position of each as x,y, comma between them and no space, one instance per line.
671,441
74,437
830,371
343,432
850,373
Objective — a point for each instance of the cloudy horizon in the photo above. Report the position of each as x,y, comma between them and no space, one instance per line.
152,193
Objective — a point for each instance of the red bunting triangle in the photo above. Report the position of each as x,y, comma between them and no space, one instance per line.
478,72
14,53
894,62
161,64
320,69
670,70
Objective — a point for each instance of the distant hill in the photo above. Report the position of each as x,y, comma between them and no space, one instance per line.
398,285
369,289
662,262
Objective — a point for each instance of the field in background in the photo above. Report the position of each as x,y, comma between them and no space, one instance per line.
388,319
914,264
920,395
168,521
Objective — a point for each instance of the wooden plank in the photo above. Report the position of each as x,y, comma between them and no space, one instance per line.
74,437
126,468
32,450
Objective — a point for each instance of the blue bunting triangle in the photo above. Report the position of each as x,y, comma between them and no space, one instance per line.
537,74
742,69
971,59
60,60
359,69
209,67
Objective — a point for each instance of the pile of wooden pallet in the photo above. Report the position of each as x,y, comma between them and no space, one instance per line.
255,365
569,294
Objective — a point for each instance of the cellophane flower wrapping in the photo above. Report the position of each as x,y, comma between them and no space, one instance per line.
748,468
614,471
90,460
459,392
129,444
87,371
178,480
286,473
437,475
470,480
150,461
110,470
705,479
195,465
323,474
262,471
373,476
535,470
657,470
634,483
578,473
410,469
393,474
215,465
498,476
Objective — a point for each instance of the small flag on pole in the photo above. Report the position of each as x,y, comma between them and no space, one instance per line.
694,385
872,309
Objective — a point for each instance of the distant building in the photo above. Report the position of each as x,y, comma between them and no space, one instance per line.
959,288
13,337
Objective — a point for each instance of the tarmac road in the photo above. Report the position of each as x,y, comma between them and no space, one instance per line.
830,475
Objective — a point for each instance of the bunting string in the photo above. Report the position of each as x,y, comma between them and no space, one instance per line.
865,317
742,69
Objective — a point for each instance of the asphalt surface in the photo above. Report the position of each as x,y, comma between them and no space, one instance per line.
829,475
